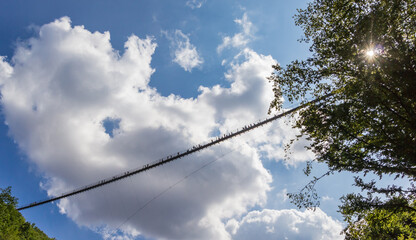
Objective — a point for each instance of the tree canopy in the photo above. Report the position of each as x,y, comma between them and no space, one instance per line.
383,224
364,56
12,224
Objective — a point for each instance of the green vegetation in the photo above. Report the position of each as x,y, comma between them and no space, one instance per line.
364,55
12,223
383,224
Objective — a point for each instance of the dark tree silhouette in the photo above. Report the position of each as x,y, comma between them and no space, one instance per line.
364,53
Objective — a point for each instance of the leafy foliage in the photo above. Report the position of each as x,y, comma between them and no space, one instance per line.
364,56
12,223
382,224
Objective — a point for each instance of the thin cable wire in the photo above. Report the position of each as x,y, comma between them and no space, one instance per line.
168,189
177,156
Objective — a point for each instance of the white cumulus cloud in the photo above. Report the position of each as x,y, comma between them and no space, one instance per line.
63,89
62,86
185,54
286,224
241,39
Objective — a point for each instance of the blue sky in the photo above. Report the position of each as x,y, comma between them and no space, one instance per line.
94,88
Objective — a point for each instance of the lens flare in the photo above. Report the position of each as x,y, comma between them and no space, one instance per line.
370,53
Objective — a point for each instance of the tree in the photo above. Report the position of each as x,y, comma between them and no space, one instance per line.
12,223
382,224
364,62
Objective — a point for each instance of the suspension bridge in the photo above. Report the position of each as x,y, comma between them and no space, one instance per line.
173,157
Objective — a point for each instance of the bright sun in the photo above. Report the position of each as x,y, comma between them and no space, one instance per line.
370,53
